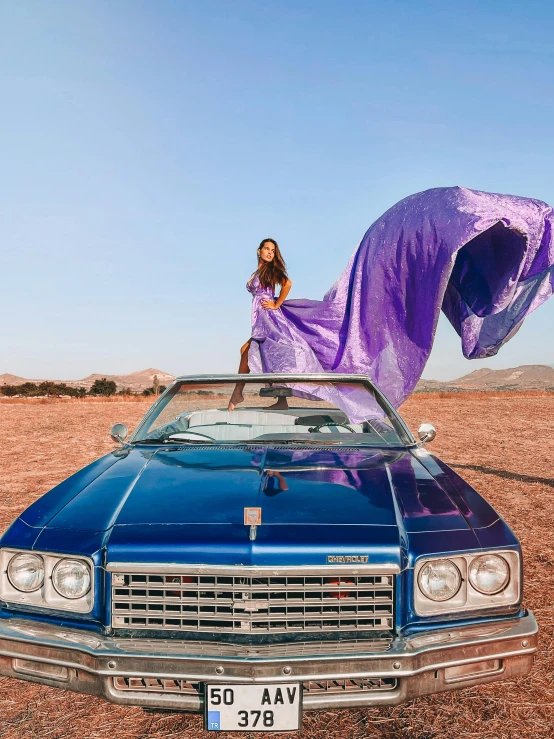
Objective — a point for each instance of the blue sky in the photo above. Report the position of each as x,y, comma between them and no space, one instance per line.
148,146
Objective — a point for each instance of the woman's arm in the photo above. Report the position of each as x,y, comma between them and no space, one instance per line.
274,304
285,290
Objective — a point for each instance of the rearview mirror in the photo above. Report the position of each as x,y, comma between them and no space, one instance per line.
426,432
119,432
275,392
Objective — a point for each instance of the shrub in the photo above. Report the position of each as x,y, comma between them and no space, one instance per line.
9,390
50,389
154,390
103,387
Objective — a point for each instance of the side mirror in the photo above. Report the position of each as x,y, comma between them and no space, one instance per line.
426,432
119,432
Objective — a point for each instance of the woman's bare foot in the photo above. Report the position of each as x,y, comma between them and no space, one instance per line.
236,398
280,405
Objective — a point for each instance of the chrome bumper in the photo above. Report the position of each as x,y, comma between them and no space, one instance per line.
429,663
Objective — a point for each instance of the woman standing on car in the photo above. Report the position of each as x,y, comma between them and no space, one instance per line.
433,250
268,322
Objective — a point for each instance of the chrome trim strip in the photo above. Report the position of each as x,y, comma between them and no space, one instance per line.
253,570
277,377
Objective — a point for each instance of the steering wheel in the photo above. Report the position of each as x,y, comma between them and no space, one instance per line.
195,433
315,429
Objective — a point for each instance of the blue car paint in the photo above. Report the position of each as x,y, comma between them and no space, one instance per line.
476,510
20,535
185,504
190,486
40,512
229,544
47,616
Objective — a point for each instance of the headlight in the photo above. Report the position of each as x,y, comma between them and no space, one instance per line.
26,572
71,578
489,574
439,580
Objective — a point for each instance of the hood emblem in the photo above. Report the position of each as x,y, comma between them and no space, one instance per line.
253,518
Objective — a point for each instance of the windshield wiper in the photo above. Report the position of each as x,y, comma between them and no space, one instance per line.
173,441
289,441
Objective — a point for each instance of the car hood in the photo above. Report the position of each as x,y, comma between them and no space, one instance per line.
191,501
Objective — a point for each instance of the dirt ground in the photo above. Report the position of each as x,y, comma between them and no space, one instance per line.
503,445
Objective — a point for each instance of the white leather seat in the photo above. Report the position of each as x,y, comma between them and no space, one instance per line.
228,432
248,424
264,418
224,432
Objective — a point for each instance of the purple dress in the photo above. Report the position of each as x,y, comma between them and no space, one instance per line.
278,346
486,260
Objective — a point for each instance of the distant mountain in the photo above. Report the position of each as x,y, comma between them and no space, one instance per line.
136,381
11,380
526,377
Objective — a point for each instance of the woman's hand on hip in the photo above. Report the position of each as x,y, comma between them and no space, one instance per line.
268,304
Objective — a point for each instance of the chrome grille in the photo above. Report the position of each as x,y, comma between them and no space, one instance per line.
311,687
253,603
358,685
156,685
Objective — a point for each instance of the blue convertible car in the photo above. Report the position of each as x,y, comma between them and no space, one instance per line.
255,563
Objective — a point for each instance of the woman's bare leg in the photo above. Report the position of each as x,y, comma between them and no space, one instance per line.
280,405
237,396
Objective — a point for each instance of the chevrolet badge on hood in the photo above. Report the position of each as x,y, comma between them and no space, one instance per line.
347,559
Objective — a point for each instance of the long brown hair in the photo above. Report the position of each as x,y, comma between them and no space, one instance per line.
275,272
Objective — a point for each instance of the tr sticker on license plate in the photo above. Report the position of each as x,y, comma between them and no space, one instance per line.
253,707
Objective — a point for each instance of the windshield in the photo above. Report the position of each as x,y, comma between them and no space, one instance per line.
278,412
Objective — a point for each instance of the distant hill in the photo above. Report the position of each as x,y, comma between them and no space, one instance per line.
526,377
11,380
136,381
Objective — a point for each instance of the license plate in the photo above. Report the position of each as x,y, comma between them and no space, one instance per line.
253,707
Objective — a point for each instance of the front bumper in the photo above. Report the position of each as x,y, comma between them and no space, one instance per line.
439,660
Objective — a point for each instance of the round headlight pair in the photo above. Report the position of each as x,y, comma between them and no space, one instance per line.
440,580
70,577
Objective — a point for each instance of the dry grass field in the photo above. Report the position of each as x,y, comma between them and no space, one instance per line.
502,444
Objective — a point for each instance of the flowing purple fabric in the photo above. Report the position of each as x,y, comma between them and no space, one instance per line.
486,259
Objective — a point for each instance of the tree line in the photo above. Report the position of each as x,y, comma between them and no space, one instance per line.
102,387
